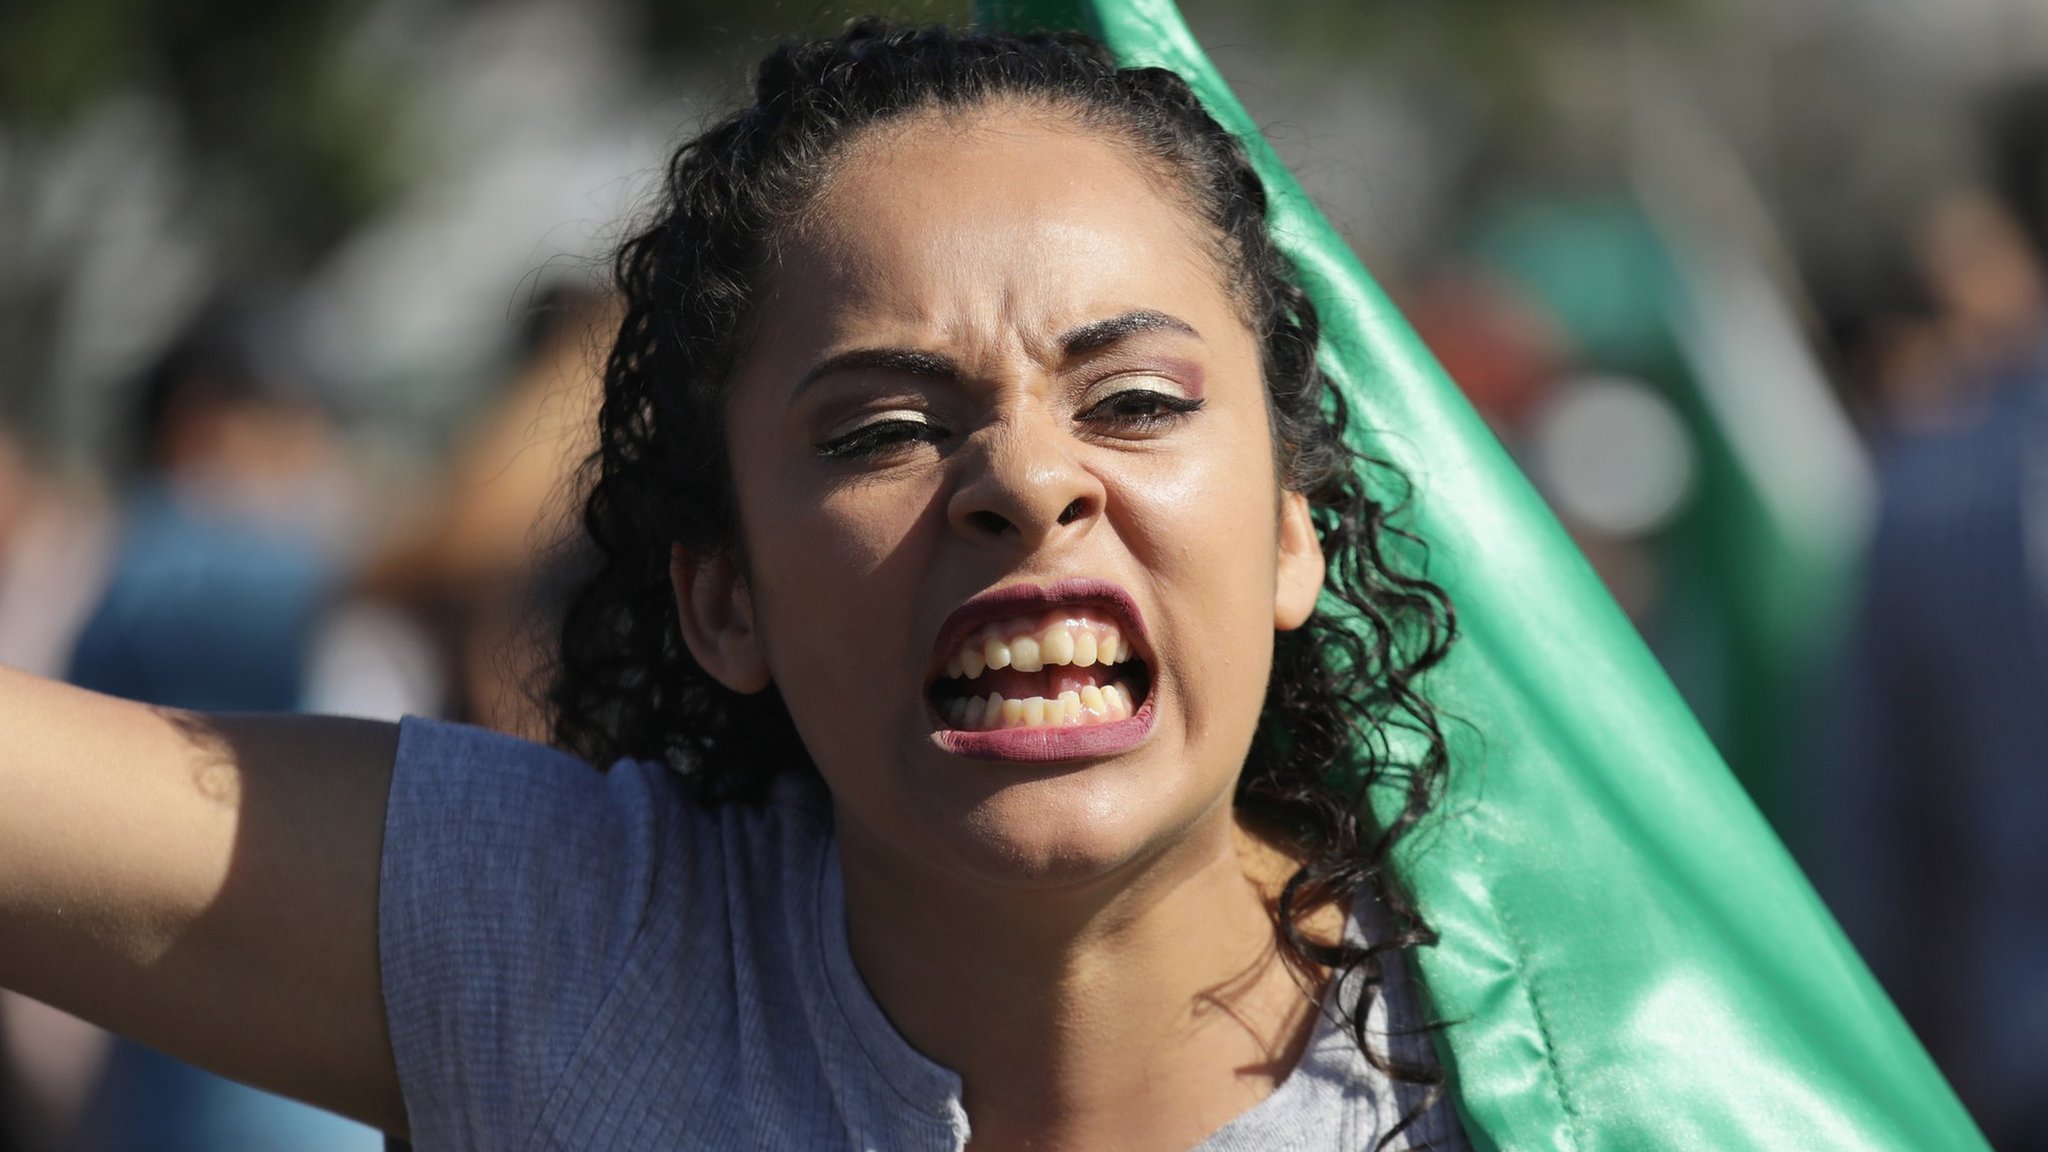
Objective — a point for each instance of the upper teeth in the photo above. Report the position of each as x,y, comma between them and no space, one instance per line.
1028,648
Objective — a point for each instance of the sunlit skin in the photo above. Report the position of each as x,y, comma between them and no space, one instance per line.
1087,942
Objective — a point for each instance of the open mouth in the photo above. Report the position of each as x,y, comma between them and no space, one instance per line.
1073,666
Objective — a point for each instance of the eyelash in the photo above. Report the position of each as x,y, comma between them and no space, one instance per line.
879,437
1174,408
874,439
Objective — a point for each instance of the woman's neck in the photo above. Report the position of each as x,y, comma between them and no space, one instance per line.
1134,1012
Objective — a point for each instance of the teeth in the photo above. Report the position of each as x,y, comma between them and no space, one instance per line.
1084,649
1091,699
1058,646
1087,705
1081,644
1024,655
1123,702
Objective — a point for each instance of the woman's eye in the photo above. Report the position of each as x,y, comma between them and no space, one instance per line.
1141,408
880,436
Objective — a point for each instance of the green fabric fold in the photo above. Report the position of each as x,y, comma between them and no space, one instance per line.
1629,959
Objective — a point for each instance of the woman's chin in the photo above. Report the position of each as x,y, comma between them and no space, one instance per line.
1065,829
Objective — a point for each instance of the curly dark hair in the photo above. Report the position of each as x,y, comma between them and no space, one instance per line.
1343,713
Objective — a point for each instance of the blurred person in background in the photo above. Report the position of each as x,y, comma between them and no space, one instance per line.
56,540
228,586
1934,787
220,573
223,568
487,565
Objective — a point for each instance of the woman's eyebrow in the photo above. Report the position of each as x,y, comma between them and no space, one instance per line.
1090,337
1099,334
906,360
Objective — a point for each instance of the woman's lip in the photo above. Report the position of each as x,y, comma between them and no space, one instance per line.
1039,745
1022,599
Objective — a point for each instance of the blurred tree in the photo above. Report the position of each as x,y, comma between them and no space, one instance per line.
722,39
256,90
1500,49
274,132
263,134
278,141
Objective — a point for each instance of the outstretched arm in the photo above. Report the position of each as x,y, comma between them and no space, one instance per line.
207,885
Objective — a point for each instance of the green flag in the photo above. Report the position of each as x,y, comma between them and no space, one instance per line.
1629,958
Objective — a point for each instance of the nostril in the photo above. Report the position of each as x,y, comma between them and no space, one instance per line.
989,522
1070,513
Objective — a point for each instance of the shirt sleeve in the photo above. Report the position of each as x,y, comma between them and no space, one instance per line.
514,880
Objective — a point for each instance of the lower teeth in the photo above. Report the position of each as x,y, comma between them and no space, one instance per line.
1090,705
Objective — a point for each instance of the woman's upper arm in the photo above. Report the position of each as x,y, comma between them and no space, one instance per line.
207,885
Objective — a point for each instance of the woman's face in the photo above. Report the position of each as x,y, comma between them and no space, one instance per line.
1001,407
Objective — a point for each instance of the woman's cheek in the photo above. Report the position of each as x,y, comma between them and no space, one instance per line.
1211,536
861,526
1197,510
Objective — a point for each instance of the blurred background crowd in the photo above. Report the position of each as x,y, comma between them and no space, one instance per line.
302,308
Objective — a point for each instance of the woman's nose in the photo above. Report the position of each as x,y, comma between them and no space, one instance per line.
1024,483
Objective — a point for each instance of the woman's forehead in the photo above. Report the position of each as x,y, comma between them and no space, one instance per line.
1005,218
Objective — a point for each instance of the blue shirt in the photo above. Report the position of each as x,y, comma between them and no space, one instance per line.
593,961
1933,794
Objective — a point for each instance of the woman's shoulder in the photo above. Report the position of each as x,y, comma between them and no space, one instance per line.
492,820
498,776
533,904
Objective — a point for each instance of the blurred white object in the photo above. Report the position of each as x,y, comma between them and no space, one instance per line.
372,662
1614,456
